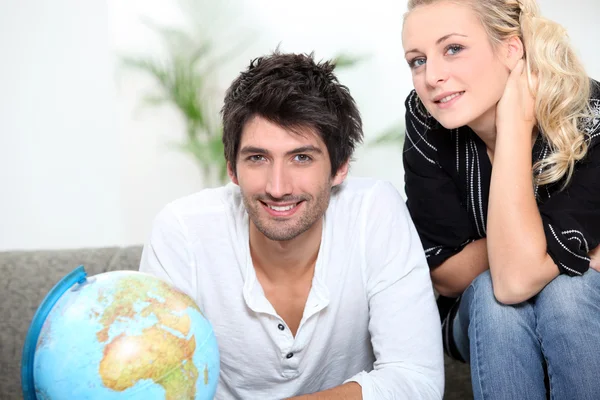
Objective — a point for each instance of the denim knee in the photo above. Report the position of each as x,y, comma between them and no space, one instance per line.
571,298
489,310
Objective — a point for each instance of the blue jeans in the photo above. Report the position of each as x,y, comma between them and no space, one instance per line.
513,348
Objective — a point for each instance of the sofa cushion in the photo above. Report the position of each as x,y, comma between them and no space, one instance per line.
27,276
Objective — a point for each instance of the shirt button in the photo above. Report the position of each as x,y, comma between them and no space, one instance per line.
289,355
281,327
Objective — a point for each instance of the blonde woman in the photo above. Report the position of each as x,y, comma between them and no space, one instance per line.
502,164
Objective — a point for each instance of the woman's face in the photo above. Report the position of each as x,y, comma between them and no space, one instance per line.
456,72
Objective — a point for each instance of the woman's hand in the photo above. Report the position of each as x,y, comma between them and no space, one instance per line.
515,111
595,258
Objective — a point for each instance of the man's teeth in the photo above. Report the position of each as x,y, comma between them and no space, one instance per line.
448,98
284,208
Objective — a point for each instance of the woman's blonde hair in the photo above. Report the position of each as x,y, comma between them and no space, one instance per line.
563,89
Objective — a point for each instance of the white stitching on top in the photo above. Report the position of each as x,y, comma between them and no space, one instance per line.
410,109
570,269
466,242
467,165
457,153
417,101
576,238
472,195
479,189
432,248
535,190
565,247
422,137
590,124
587,248
419,150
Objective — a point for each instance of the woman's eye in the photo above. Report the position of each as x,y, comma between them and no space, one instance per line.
454,49
416,62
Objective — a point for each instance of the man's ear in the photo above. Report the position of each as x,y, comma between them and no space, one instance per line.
231,173
513,51
341,173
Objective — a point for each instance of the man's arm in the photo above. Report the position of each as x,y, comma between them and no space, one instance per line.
347,391
404,321
166,254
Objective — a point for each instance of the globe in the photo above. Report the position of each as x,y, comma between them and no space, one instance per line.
119,335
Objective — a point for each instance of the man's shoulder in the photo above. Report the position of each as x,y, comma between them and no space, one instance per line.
208,203
355,185
362,191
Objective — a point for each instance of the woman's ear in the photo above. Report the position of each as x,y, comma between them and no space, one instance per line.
513,51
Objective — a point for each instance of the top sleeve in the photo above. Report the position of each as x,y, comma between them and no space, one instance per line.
434,200
571,217
166,254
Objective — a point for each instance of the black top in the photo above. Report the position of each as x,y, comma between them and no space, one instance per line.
447,178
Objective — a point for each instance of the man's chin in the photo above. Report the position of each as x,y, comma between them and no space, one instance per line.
280,233
280,236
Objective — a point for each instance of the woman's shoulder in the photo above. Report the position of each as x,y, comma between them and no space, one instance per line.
591,124
415,111
425,138
595,98
418,141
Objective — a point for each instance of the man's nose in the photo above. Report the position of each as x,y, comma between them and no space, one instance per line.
279,182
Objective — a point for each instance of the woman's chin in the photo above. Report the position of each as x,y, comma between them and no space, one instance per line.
452,123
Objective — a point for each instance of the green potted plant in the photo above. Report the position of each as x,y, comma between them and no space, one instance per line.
184,77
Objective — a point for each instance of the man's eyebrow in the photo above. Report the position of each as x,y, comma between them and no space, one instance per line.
305,149
437,42
253,150
297,150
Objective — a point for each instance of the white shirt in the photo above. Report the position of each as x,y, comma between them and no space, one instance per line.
370,316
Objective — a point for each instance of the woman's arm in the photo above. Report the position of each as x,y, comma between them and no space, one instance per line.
517,249
455,274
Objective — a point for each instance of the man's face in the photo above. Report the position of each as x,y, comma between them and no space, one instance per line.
285,178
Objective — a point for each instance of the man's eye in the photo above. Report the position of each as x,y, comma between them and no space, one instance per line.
302,158
256,158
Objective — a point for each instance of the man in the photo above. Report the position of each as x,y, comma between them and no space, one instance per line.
316,285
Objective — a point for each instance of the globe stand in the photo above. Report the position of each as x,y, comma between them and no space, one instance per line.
78,275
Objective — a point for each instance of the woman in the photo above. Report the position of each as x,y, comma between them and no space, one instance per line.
502,164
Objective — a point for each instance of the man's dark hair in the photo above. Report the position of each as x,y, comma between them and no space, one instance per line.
293,91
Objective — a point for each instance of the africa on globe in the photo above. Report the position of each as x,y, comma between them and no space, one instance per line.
119,335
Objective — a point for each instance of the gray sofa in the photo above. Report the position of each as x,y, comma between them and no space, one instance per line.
28,276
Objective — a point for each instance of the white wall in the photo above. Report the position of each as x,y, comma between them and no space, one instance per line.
82,165
59,151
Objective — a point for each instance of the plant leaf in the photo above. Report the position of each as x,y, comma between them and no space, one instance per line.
393,135
344,60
